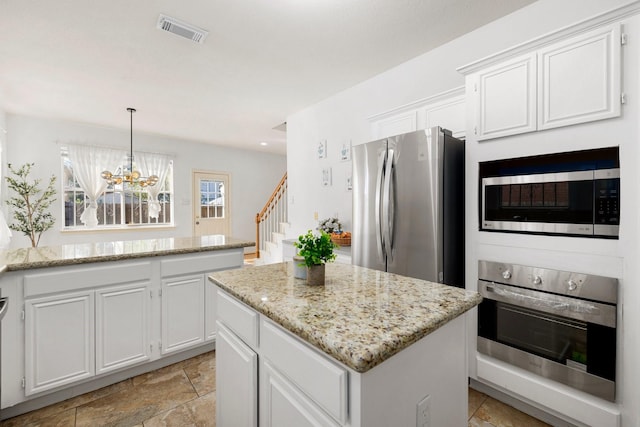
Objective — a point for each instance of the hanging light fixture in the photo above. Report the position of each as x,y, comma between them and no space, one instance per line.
128,174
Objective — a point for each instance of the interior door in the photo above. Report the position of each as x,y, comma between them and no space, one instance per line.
211,203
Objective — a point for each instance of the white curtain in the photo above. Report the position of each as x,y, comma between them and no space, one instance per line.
153,164
88,163
5,231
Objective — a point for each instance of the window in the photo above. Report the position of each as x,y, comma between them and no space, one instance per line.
120,205
211,198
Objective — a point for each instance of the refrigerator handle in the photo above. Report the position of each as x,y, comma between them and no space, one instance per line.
382,158
387,206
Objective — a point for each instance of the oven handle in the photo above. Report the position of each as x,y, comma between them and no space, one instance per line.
529,301
602,314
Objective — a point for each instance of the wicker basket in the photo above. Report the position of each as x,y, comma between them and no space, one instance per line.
341,241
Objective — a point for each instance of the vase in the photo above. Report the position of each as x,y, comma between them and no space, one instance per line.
299,269
315,275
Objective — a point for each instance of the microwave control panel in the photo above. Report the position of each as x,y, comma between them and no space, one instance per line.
607,199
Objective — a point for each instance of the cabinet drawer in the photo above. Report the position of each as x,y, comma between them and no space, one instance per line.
315,374
200,263
94,275
242,320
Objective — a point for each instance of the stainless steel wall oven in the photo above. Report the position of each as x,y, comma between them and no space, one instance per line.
557,324
574,193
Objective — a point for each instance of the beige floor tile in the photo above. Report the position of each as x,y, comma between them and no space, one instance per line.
150,396
200,412
66,418
502,415
58,408
477,422
475,401
201,371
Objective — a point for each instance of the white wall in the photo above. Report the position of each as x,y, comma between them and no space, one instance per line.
254,175
345,117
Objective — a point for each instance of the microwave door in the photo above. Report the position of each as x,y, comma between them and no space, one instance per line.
558,203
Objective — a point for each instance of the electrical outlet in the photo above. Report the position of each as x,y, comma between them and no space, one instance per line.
423,418
315,216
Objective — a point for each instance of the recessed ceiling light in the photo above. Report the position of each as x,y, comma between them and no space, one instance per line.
264,143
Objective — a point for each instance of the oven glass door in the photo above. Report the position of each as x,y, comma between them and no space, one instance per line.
557,338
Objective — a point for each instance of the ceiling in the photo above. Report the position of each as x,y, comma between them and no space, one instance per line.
87,61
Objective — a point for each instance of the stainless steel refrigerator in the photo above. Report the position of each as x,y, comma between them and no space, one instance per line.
408,206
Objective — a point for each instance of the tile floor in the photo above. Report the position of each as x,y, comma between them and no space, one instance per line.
183,394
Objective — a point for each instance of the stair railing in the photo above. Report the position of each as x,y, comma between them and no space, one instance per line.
272,214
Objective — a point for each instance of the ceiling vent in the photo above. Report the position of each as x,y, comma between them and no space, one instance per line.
181,29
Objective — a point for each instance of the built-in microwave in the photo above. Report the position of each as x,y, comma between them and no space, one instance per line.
574,193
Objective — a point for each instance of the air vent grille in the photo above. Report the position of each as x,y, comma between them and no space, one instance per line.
181,29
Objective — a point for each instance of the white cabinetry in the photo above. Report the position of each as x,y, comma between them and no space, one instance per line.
506,95
579,79
84,321
281,403
236,381
299,385
122,326
59,340
182,313
446,110
571,81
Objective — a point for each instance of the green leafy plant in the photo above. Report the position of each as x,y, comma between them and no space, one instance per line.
31,204
315,249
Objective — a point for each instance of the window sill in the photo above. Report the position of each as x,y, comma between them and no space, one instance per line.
127,228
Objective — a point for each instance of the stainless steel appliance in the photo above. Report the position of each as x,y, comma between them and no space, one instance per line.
557,324
408,206
575,193
4,306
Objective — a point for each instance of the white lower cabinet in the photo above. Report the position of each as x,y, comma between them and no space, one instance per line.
59,340
182,312
282,403
236,381
298,386
122,326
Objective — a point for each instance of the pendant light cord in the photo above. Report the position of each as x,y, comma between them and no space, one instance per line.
131,111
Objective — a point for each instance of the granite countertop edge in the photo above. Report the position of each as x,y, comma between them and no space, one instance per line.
29,265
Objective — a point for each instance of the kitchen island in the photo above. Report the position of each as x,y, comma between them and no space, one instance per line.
369,348
83,316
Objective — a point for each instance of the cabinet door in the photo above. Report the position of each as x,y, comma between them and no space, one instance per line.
506,98
281,403
236,381
579,79
396,125
59,340
122,326
182,313
210,296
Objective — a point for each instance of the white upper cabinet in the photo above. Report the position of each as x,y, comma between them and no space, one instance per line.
574,80
506,98
447,110
395,125
579,79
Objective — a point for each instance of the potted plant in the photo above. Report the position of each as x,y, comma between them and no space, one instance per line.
31,205
316,250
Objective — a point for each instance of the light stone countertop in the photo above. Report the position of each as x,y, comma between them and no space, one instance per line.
360,317
83,253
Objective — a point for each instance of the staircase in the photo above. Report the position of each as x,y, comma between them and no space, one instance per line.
272,226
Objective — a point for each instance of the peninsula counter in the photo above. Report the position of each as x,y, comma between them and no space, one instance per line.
83,316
